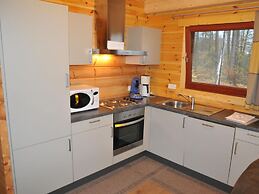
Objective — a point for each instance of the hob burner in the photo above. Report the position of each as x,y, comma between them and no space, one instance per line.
119,103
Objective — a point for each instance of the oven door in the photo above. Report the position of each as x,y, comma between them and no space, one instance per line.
128,134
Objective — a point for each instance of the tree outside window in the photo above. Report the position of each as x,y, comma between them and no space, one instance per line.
218,57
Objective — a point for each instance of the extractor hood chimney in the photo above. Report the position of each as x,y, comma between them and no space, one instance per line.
110,26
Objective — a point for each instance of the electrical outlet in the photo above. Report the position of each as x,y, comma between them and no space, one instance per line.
172,86
129,87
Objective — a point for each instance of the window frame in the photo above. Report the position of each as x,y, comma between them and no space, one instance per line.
189,84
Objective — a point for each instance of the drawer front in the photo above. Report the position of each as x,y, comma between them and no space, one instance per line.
248,136
89,124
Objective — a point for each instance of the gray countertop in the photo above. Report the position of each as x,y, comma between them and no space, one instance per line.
156,102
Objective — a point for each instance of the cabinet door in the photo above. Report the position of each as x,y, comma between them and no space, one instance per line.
92,151
166,135
44,167
244,153
151,44
80,38
208,148
146,39
35,45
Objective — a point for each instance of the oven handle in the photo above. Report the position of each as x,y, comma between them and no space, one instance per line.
129,123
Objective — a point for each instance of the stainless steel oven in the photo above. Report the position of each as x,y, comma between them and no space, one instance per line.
128,130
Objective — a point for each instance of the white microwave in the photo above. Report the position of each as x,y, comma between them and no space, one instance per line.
83,98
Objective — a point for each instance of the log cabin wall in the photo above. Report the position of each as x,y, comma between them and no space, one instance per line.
108,72
6,183
113,76
172,67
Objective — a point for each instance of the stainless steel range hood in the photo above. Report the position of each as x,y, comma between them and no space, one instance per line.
110,27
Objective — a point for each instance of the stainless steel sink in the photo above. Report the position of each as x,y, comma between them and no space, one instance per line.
176,104
199,109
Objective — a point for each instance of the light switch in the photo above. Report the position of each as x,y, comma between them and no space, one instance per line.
172,86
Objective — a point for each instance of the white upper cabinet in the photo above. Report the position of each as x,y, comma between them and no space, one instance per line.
208,148
80,38
166,135
35,49
146,39
246,150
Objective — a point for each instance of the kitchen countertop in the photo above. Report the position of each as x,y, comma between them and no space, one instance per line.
101,111
156,101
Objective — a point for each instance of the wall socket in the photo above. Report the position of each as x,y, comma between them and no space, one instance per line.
172,86
129,87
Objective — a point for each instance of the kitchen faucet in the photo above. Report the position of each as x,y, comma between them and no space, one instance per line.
189,99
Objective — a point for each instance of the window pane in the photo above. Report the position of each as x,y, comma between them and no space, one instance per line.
222,57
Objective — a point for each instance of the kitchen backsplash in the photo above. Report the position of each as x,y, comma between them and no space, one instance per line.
109,73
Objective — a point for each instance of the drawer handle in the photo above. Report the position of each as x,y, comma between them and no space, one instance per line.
206,125
256,136
96,121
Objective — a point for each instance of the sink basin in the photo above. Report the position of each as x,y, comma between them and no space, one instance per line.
176,104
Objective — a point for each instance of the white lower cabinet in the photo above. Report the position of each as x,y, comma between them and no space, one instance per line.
92,147
166,135
44,167
246,150
208,148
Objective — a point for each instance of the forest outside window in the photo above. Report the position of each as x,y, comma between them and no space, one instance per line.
218,57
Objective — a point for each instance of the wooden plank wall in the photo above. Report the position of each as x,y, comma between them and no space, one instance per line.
113,77
172,67
6,183
155,6
109,73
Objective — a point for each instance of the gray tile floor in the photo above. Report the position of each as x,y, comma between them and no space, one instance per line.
154,176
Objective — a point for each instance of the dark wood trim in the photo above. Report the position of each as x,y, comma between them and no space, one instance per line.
226,26
189,31
232,91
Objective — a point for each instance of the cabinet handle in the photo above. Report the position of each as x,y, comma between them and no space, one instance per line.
207,125
67,80
183,122
252,135
96,121
111,131
69,145
235,150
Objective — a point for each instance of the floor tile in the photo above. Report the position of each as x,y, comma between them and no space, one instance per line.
182,183
149,187
145,176
146,166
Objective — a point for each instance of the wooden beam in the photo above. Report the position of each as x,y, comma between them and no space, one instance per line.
155,6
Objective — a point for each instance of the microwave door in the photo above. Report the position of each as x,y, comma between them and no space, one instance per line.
79,100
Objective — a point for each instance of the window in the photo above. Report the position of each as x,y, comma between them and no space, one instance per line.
218,57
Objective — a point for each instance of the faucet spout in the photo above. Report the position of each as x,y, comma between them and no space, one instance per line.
189,99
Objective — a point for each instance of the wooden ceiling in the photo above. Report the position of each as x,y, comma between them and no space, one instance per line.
158,6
